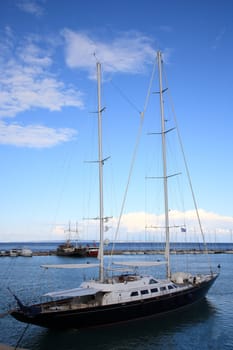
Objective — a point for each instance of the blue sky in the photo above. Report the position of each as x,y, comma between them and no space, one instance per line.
48,89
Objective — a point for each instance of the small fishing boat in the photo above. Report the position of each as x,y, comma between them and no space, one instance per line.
14,252
26,252
92,251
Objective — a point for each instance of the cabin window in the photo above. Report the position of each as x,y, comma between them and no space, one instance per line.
170,287
145,291
154,290
163,289
152,281
134,294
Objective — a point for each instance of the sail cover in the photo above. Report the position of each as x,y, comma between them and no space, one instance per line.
70,266
141,263
76,292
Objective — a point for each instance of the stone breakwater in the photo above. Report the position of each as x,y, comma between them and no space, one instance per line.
135,252
142,252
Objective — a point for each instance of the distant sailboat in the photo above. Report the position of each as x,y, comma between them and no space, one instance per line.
124,296
76,250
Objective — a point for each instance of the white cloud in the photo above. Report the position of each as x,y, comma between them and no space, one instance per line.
217,228
141,226
209,219
59,231
36,136
24,89
211,222
33,55
32,7
27,81
129,53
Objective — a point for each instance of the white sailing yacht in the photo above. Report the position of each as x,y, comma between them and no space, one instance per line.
125,296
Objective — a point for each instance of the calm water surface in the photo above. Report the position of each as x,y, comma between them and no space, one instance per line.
205,325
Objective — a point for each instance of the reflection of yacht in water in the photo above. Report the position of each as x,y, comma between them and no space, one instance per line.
76,250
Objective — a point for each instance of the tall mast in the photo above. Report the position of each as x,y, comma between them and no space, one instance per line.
165,188
100,161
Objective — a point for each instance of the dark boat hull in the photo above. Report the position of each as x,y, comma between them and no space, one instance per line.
102,315
79,253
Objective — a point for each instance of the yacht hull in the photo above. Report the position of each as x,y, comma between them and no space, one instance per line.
115,313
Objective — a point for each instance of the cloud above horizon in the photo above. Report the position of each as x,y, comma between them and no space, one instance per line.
135,223
127,53
134,226
215,226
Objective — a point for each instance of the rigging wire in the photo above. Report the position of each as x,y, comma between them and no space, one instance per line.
125,97
142,114
22,335
66,165
187,171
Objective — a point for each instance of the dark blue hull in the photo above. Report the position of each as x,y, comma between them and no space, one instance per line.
102,315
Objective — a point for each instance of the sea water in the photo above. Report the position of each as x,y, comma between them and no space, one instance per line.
205,325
